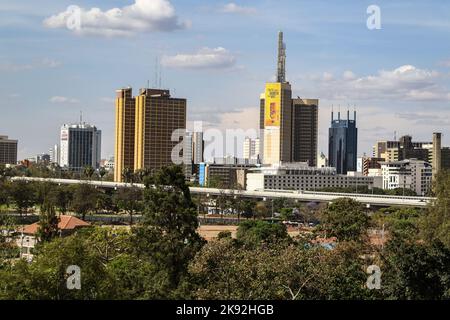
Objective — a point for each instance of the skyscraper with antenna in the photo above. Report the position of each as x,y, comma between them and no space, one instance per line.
276,114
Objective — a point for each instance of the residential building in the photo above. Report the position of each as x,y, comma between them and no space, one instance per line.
80,146
8,150
343,144
27,240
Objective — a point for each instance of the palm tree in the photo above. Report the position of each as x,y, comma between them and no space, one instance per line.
102,173
127,175
89,172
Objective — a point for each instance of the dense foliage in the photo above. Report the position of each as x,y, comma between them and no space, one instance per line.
162,256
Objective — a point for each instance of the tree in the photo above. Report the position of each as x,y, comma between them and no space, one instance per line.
5,190
127,175
168,235
129,200
435,225
415,270
23,195
8,247
255,232
88,172
102,173
346,220
261,210
62,198
48,223
84,199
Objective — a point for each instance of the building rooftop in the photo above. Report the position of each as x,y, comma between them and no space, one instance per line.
65,223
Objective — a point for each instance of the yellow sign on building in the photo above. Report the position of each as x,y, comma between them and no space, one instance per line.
272,105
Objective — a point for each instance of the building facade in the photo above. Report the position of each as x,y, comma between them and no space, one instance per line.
343,144
297,177
305,118
412,174
80,146
125,132
144,128
8,150
158,116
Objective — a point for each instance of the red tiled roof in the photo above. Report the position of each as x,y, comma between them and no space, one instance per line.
65,223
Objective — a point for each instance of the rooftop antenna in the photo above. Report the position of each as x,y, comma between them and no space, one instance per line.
160,75
155,83
395,135
281,65
81,117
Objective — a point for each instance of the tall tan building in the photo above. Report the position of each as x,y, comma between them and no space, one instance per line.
125,131
157,116
144,128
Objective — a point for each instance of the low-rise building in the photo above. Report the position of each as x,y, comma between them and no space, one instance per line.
27,240
299,176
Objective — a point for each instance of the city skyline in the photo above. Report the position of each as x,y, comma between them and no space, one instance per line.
395,84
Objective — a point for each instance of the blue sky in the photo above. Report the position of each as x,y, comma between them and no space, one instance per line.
218,55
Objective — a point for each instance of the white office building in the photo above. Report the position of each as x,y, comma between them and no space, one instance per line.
80,146
299,176
410,174
251,149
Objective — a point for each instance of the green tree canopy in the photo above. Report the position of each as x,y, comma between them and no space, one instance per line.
345,219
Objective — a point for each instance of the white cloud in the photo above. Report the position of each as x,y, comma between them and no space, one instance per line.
445,63
405,83
17,67
234,8
348,75
142,16
60,99
205,58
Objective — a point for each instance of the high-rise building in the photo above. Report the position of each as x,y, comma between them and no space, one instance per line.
8,150
54,154
158,116
289,126
144,128
305,117
277,119
198,147
80,146
343,144
125,132
437,153
188,154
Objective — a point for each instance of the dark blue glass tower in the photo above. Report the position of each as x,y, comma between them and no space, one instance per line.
343,143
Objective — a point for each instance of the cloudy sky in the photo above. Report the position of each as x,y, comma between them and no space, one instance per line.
218,55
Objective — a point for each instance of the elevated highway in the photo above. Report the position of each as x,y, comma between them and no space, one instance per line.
303,196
